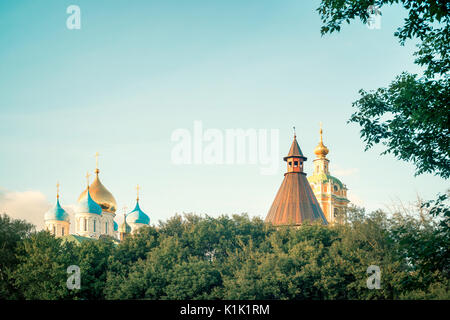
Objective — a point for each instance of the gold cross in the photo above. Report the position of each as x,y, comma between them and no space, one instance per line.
137,189
124,211
295,135
57,189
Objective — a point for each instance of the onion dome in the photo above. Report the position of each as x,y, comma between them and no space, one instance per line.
137,215
87,204
100,194
124,227
57,212
321,150
116,226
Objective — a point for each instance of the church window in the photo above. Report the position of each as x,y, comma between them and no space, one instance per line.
54,230
295,163
106,227
62,231
85,224
94,225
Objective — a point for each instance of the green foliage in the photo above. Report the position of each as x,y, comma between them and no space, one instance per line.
411,116
194,257
11,233
92,258
411,119
41,271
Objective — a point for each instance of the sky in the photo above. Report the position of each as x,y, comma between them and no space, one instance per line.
138,71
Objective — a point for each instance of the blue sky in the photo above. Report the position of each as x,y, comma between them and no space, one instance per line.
138,70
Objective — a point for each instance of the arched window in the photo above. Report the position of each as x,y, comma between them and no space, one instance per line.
94,225
62,231
106,227
54,230
85,224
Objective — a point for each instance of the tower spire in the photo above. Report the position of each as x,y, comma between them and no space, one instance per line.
320,131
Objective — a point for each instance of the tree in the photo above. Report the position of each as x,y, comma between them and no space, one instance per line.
93,259
41,273
411,117
12,232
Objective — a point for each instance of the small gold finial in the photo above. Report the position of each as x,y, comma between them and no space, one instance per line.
57,189
96,163
137,189
295,135
321,140
124,212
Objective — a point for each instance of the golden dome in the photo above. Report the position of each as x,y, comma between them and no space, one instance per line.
100,194
321,151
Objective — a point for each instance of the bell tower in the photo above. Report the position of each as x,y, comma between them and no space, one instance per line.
330,192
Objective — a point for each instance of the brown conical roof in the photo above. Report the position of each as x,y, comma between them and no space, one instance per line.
295,150
295,202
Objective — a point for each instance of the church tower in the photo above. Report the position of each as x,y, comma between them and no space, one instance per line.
295,202
57,219
330,192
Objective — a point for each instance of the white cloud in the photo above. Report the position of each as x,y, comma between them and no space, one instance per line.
27,205
30,206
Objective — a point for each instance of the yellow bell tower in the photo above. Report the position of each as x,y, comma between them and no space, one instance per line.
330,192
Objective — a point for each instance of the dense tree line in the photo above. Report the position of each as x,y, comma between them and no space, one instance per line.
200,257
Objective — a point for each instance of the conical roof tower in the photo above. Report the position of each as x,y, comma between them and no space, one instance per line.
295,202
